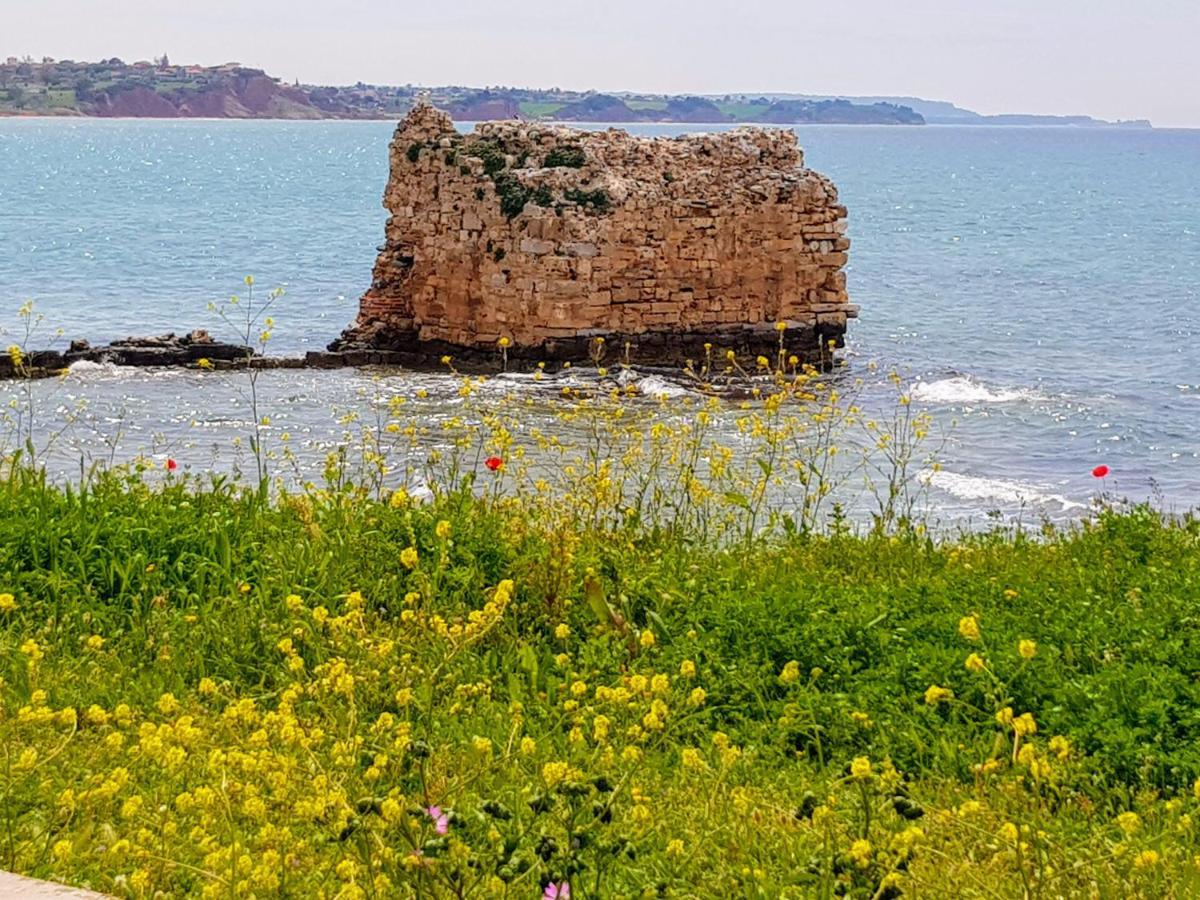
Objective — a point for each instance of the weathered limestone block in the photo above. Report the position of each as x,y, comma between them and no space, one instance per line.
550,237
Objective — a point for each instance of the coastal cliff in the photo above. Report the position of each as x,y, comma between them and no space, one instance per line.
543,239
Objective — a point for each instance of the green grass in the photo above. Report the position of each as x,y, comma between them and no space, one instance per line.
537,108
742,112
282,689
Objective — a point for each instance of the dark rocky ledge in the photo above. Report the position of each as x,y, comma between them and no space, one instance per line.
163,350
811,345
658,352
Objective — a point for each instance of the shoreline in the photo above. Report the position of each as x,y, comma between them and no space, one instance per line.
71,116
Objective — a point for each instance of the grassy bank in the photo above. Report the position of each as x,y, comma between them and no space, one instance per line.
329,695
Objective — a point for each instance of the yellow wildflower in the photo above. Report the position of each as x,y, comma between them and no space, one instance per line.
1060,746
974,663
1146,859
443,529
1024,724
1129,822
860,853
647,640
691,759
790,672
408,557
555,772
1027,648
935,695
563,631
687,669
860,768
968,627
7,603
600,728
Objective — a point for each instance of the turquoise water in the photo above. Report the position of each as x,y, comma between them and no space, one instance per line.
1038,285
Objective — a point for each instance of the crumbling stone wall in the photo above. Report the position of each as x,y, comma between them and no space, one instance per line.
551,237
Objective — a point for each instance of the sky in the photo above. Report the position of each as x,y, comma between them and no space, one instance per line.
1113,59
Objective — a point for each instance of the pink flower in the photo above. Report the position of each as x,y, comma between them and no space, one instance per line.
441,820
561,891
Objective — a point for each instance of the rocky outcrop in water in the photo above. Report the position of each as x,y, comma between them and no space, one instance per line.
546,239
196,347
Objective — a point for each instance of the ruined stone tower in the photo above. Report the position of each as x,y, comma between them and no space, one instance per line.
550,237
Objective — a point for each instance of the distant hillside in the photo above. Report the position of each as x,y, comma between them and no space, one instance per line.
148,90
159,89
942,112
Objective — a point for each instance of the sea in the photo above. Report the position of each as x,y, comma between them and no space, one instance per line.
1036,289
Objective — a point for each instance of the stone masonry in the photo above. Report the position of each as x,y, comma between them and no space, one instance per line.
551,237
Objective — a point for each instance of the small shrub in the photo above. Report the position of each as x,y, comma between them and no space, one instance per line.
565,157
494,160
513,195
598,198
414,152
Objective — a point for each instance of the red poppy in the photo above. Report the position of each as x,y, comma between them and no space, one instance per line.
1100,472
172,465
494,463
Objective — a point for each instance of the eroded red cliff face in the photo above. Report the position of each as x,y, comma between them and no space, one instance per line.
669,248
237,97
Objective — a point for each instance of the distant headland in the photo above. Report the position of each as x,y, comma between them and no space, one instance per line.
160,89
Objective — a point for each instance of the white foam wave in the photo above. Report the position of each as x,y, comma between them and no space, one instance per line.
653,386
964,389
84,368
997,490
